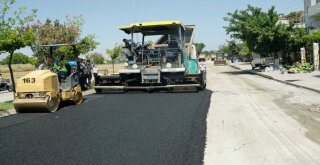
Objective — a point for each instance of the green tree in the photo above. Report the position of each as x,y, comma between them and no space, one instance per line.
222,48
308,41
33,61
96,58
311,38
258,29
15,32
233,48
206,52
199,47
17,58
293,44
294,17
87,44
114,53
84,46
56,32
245,51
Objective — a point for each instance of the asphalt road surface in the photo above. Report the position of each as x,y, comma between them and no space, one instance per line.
132,128
254,120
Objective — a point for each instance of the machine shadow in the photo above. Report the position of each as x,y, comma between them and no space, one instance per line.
237,73
154,91
66,104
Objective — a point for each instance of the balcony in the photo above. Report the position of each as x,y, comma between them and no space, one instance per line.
314,11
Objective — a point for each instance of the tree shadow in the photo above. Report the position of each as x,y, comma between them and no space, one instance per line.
237,73
318,76
292,80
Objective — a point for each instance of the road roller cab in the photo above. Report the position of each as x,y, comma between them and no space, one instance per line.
44,89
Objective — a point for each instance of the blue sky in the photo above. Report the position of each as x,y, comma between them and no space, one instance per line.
102,17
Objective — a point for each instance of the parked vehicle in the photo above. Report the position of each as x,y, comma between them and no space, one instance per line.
202,58
220,59
5,85
261,61
213,57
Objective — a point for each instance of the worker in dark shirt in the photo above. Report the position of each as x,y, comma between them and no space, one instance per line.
82,78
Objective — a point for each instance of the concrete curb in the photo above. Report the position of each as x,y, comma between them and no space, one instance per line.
13,111
281,81
7,113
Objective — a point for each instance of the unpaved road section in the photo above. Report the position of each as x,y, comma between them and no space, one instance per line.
253,120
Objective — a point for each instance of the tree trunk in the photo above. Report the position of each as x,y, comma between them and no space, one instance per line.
11,73
112,66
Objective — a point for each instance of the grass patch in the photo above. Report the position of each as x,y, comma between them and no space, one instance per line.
6,105
107,68
17,68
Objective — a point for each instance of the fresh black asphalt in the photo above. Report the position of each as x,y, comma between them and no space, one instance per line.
111,129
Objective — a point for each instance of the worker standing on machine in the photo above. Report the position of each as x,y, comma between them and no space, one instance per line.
81,69
88,72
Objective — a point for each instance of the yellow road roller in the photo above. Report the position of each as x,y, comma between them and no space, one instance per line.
45,89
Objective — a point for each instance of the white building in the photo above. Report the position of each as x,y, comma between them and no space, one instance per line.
312,14
298,21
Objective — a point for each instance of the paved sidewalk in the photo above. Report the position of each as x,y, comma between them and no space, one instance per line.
13,111
310,81
6,96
